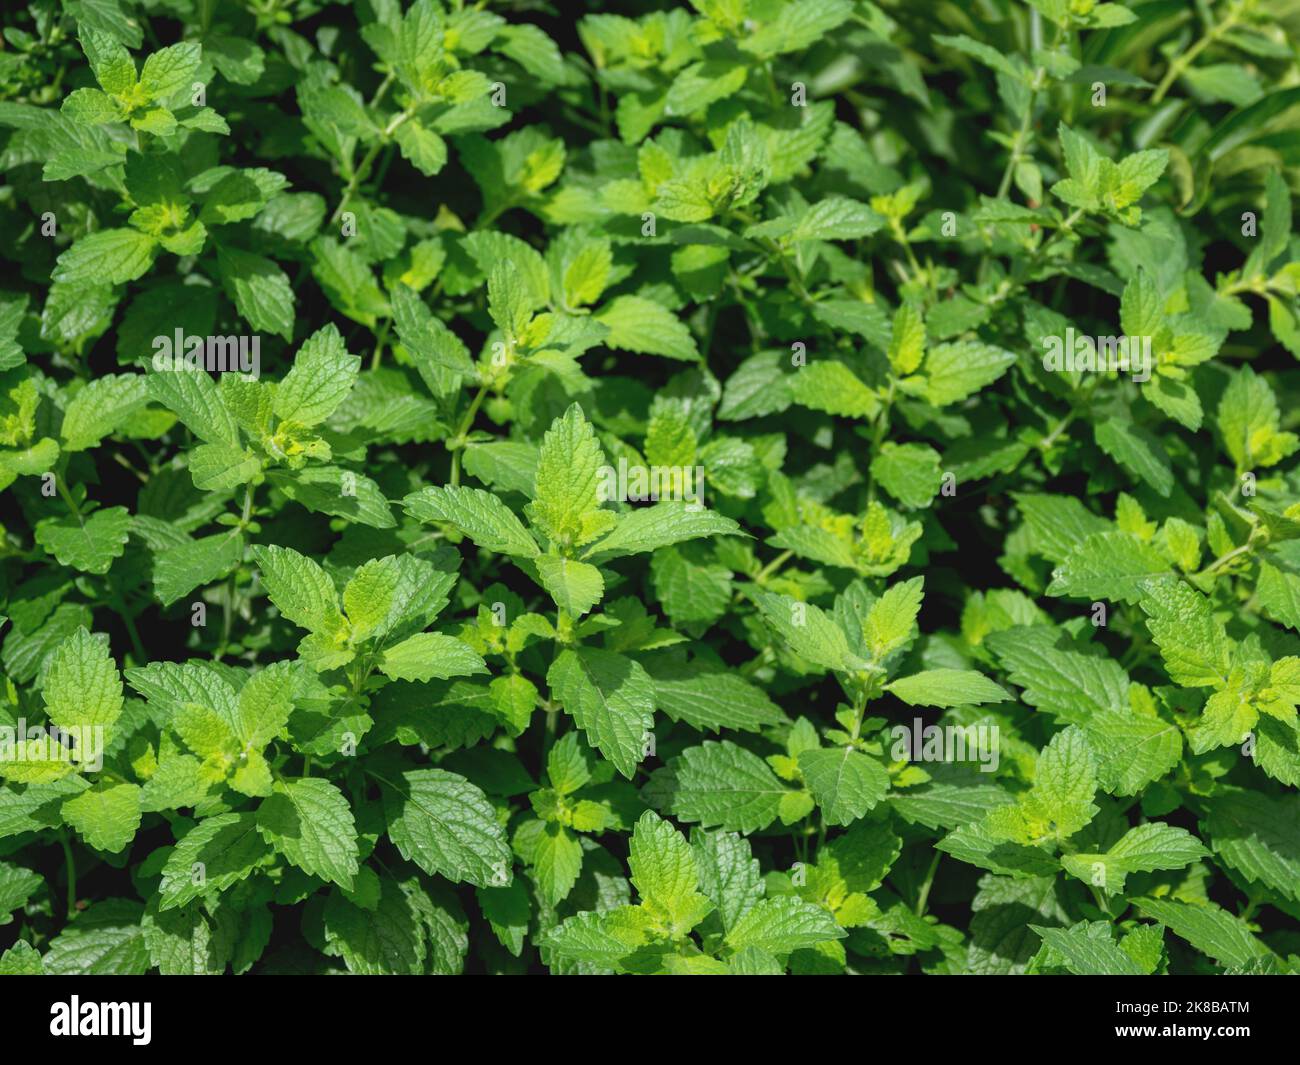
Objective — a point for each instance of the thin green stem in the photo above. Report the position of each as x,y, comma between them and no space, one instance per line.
878,436
1227,557
900,235
773,95
363,169
457,441
1182,62
67,497
1022,133
772,566
923,896
383,88
71,867
227,618
133,634
491,216
379,344
1060,427
1018,144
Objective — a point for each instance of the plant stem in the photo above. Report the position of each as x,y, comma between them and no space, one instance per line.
1051,438
924,895
900,235
133,634
1182,62
383,88
367,160
71,867
1227,557
772,566
878,436
1017,145
379,344
457,442
67,498
774,96
227,617
792,275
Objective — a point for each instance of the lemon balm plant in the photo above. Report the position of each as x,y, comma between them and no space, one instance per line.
748,486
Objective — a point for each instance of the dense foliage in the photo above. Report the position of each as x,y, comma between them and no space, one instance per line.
757,486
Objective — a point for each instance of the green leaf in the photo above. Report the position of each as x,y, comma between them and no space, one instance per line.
643,326
322,376
310,822
1057,676
112,256
911,473
105,940
106,815
665,875
728,873
260,289
1142,849
217,853
1106,566
947,687
1208,928
445,824
650,528
427,655
834,388
810,633
952,372
382,940
218,468
844,782
555,855
421,147
300,589
611,698
783,924
101,408
1192,641
22,959
1065,783
180,568
568,493
1139,451
1132,750
432,346
890,624
720,785
17,885
109,59
168,71
193,398
575,586
1087,954
82,687
478,514
1257,835
334,490
1249,419
712,698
